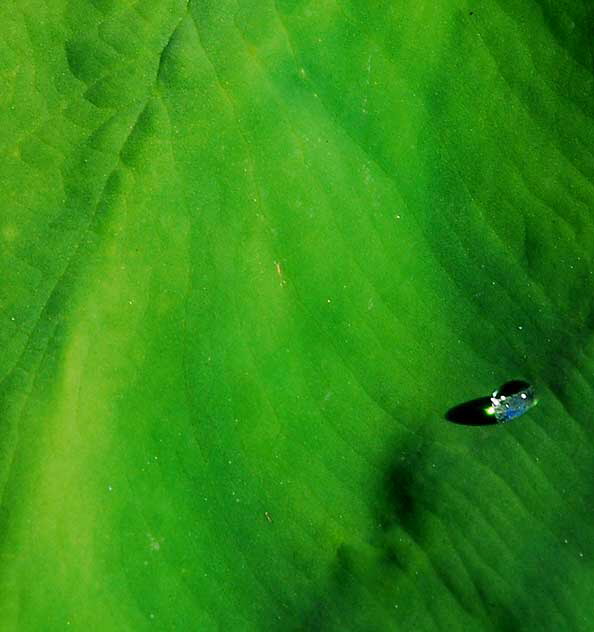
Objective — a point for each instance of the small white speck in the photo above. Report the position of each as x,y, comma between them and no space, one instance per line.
397,216
110,488
520,327
566,540
154,544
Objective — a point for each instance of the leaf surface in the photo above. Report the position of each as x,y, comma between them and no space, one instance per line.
251,253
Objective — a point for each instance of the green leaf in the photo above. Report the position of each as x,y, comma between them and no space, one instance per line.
250,255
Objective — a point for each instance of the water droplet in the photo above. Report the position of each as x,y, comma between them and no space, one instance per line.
512,400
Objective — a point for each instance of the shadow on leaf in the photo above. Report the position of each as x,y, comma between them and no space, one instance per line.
472,413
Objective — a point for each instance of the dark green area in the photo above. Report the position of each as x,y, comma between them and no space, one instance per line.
250,255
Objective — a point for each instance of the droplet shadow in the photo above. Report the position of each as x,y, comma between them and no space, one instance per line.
472,413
